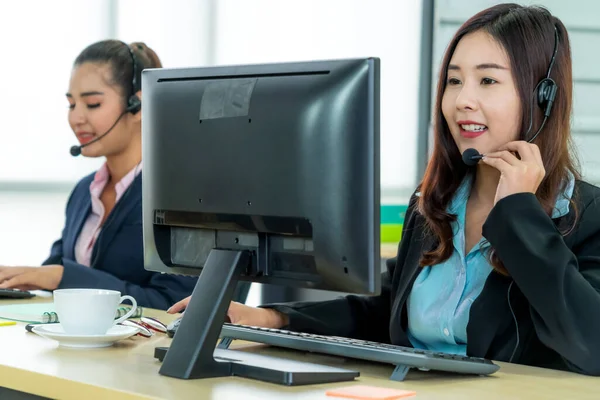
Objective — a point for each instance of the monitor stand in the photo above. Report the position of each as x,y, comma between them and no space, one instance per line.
192,351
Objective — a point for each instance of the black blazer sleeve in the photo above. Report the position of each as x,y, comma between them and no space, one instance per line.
360,317
561,283
160,291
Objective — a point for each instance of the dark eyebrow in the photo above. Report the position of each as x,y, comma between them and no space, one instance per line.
490,65
85,94
479,66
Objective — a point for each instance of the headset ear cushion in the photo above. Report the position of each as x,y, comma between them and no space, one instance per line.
546,92
542,94
134,104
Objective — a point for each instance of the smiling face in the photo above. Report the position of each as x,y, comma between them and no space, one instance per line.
94,106
480,103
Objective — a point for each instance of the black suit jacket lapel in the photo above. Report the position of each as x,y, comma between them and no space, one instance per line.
488,315
117,217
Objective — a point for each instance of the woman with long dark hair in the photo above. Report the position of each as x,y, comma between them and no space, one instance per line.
500,254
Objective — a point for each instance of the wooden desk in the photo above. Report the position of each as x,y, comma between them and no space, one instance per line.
32,364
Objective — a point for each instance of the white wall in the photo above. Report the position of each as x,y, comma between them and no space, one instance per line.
192,33
29,223
39,41
179,31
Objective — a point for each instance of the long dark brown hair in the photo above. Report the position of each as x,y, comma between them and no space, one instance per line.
527,34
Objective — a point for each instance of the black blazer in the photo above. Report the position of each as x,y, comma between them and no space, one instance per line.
554,294
118,254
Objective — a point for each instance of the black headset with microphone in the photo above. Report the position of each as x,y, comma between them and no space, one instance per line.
544,93
134,105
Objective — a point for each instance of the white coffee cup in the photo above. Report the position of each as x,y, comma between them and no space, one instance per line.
89,311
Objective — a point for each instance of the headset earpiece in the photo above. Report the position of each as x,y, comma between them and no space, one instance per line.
546,95
547,88
134,105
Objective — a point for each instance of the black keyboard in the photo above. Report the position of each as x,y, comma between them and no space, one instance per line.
403,358
15,294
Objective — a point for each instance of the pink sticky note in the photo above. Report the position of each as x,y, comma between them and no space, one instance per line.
363,392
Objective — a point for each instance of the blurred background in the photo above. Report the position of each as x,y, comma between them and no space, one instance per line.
40,40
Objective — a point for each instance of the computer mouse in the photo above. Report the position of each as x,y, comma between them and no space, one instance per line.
172,327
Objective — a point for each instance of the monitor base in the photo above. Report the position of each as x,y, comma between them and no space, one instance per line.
280,371
192,354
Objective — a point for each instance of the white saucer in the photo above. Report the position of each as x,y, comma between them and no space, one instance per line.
56,332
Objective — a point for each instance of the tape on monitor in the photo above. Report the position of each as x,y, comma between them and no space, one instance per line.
227,98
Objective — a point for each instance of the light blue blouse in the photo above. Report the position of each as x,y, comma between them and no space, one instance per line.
441,297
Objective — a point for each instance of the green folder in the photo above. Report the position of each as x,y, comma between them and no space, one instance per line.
392,220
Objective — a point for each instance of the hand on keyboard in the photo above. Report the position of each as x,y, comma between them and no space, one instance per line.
241,314
46,277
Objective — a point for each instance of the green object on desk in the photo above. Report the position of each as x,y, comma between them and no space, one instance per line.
392,220
390,233
44,313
